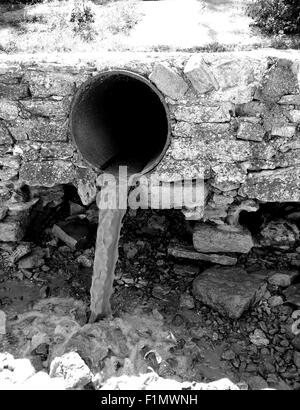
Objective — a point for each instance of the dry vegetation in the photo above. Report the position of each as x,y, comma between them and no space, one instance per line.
112,25
64,25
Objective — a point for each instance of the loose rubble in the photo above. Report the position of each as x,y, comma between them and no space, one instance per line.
192,317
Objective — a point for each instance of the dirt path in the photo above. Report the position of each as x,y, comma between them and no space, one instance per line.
192,23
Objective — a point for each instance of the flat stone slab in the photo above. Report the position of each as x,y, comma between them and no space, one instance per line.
210,238
186,252
230,291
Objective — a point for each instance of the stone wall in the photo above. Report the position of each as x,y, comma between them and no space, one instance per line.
235,114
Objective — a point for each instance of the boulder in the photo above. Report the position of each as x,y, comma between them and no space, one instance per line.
72,369
230,291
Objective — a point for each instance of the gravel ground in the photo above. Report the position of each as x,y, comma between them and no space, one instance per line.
259,349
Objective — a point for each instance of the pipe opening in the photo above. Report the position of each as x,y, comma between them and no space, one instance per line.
120,118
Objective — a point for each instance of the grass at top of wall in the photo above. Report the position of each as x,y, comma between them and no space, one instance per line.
48,26
275,42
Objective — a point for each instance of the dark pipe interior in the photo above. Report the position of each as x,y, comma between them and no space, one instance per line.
119,118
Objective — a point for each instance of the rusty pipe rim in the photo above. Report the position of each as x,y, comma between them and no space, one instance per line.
89,83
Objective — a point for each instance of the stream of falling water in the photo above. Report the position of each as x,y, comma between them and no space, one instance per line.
106,257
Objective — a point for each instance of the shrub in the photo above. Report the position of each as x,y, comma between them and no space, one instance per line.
276,16
82,18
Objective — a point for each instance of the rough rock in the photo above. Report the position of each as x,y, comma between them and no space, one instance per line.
286,131
74,233
34,260
21,210
130,250
83,260
187,301
290,99
279,233
72,369
8,109
47,108
47,173
280,80
209,239
296,342
297,359
14,91
292,294
5,138
9,167
251,132
258,338
294,116
280,185
168,81
76,209
283,279
200,75
228,290
46,84
186,252
39,129
2,323
275,301
257,383
217,113
86,185
21,250
3,212
11,231
228,355
228,177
